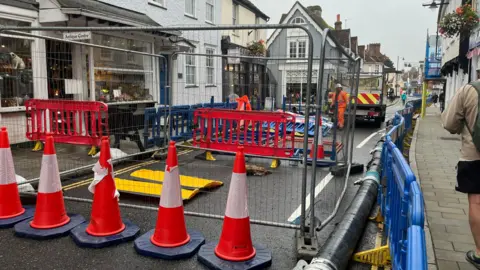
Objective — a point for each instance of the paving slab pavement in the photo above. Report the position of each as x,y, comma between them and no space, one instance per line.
435,155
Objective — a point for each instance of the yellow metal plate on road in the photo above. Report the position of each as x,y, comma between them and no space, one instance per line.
148,189
185,181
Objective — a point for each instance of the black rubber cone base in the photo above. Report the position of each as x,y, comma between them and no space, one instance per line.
83,239
23,229
10,222
145,247
262,259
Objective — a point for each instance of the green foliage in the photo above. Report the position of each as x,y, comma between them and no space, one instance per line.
463,20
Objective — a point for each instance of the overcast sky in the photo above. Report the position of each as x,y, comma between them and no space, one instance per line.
399,25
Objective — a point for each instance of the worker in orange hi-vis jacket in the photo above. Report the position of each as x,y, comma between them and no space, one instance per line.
342,104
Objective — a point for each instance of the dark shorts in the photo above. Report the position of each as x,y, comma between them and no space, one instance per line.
468,180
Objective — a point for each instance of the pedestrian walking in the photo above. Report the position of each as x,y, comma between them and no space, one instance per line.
434,99
460,118
441,100
404,98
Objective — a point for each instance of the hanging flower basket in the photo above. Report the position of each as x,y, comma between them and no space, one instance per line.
462,21
257,48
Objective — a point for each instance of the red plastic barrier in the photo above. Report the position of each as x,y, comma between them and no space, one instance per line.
71,122
225,130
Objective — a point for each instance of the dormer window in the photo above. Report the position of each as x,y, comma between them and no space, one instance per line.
298,20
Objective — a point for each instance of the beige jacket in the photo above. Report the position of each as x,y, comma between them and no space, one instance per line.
463,109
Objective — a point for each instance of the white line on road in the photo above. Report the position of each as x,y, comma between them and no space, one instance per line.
360,145
320,186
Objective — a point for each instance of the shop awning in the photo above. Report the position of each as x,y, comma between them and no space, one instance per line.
109,13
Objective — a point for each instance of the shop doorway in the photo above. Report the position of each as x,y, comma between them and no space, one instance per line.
59,68
164,89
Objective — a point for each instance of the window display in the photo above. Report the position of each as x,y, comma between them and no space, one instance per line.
123,76
16,77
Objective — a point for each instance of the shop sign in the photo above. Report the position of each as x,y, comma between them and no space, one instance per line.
474,39
234,52
77,35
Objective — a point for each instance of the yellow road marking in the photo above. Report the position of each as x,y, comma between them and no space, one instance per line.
124,170
185,181
147,188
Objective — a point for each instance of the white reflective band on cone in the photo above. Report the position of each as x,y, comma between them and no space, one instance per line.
49,175
171,196
98,174
7,170
237,205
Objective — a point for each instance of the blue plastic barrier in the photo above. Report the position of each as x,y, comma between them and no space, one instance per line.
181,121
402,204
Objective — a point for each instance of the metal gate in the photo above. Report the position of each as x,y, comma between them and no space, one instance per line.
205,77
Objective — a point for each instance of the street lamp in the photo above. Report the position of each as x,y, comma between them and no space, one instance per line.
434,5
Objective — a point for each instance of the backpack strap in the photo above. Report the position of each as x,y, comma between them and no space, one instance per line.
476,86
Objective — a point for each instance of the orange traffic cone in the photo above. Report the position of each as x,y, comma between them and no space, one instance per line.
235,249
171,230
10,205
170,239
50,219
50,210
320,151
235,241
105,219
11,209
106,227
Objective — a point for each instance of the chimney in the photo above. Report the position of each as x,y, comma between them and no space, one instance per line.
354,44
374,49
338,23
361,51
316,10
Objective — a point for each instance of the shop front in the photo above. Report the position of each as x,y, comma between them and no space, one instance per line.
17,67
244,76
123,72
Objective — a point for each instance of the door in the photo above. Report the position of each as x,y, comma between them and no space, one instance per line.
164,89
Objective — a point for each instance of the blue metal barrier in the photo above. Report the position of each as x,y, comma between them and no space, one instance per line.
402,204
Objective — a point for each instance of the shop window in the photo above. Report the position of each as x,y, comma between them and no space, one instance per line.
191,68
210,66
123,76
16,76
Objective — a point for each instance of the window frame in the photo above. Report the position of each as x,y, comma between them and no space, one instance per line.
299,18
194,5
297,42
195,66
210,4
207,67
235,15
163,3
257,31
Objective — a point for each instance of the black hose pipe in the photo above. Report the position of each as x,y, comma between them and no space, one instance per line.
335,254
